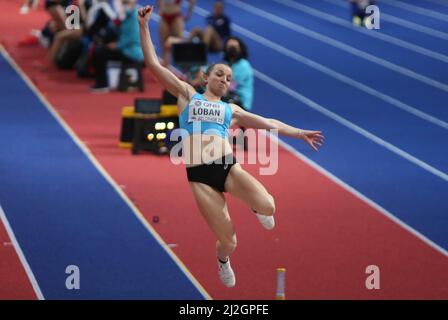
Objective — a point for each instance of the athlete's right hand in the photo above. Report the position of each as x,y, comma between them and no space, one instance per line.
144,14
314,139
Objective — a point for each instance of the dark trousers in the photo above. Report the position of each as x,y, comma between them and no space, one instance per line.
101,56
358,11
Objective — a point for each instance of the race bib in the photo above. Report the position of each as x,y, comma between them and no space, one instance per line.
201,110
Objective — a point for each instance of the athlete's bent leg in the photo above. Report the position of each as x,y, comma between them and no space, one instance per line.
212,205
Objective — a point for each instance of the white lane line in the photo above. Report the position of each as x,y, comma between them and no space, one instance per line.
417,9
20,254
106,175
351,125
378,35
345,79
401,22
439,2
360,196
342,46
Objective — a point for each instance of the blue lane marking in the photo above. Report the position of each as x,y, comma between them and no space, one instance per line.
414,17
385,80
427,66
370,113
64,212
392,29
430,5
377,173
410,193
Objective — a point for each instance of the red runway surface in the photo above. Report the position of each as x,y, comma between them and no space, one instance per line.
325,236
14,282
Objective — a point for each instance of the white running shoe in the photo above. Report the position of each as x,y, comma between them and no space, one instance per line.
267,221
226,273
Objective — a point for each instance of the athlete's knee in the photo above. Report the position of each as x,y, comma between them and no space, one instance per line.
268,207
230,243
271,206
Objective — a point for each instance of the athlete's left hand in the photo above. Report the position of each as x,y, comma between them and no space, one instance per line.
314,139
144,14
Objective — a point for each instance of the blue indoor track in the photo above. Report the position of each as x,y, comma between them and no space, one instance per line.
385,117
379,96
65,198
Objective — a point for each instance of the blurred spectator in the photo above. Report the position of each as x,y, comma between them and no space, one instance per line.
126,49
242,87
172,23
217,30
55,8
100,26
43,37
359,11
70,35
214,35
100,29
64,36
27,5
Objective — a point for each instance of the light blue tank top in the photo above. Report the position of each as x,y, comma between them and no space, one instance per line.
202,116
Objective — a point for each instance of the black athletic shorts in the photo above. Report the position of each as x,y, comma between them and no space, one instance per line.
213,174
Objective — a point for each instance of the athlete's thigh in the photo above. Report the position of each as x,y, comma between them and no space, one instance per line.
213,207
242,185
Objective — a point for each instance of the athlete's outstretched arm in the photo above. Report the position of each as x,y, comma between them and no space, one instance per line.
168,80
246,119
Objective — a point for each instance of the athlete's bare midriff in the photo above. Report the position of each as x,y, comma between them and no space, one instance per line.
198,148
202,148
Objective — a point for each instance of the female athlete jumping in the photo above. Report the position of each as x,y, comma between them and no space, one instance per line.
200,114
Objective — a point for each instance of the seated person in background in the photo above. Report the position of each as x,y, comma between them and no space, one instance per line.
60,36
217,30
214,35
100,24
172,23
241,90
69,34
359,11
56,10
126,49
100,29
44,37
